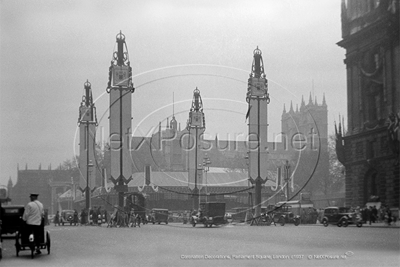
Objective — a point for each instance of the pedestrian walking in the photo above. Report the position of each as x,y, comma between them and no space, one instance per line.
57,218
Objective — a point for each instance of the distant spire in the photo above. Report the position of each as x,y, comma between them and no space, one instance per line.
310,100
174,123
10,183
343,125
323,100
291,107
313,88
316,101
302,101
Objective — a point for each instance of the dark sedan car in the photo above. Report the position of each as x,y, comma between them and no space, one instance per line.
11,217
67,216
341,216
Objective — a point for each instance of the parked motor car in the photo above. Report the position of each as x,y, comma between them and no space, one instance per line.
210,213
341,216
282,213
11,217
159,216
67,216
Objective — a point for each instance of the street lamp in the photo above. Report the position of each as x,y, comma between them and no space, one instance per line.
206,168
287,178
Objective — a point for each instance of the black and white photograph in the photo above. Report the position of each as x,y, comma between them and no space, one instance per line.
199,133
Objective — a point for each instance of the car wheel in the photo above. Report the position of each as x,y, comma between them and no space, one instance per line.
359,224
48,242
325,222
282,221
339,224
345,223
17,245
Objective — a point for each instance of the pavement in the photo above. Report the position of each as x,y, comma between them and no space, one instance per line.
366,225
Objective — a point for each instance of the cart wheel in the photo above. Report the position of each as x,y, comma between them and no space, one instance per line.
17,245
281,221
296,221
48,243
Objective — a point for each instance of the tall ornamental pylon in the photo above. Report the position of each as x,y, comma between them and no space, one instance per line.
87,122
258,99
196,126
120,88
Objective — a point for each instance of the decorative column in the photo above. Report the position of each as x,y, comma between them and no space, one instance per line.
258,99
120,88
87,122
196,127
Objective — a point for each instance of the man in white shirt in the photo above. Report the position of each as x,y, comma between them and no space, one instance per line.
33,215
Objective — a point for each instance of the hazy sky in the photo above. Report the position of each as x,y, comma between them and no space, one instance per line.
50,48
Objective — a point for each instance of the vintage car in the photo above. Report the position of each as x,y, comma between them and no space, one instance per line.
159,216
67,216
11,217
341,216
283,214
210,213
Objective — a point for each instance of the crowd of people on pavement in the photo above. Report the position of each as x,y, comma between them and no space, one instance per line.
372,215
95,216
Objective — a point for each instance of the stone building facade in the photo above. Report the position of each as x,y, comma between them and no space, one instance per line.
369,147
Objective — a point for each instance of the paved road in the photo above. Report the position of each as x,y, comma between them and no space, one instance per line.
178,245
